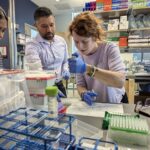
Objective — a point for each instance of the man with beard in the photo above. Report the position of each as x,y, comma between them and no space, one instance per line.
48,51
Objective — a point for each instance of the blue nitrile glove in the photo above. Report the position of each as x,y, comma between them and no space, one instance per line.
88,97
66,75
61,107
76,64
76,54
60,95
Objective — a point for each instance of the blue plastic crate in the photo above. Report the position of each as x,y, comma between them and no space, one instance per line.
95,143
34,129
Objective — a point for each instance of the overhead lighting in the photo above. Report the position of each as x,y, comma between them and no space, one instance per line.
57,0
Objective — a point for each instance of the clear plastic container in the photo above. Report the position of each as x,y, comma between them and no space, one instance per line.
124,128
37,81
13,90
82,129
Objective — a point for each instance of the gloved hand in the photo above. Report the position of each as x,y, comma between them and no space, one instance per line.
76,64
61,108
60,95
66,75
88,97
76,54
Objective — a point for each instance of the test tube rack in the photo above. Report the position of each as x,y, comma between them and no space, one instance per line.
95,144
128,129
27,128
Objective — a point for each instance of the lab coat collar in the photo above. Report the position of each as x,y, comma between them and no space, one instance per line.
41,40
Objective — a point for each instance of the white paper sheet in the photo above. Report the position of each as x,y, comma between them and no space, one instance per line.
96,110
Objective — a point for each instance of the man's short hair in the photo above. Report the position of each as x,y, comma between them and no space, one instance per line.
42,12
3,14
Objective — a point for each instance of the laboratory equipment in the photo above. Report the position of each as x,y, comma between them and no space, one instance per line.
108,116
95,144
52,92
81,128
37,81
13,90
123,128
27,128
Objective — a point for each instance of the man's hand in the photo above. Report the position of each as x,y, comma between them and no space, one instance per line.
88,97
76,64
66,75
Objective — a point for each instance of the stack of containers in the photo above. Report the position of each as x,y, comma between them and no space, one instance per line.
90,6
139,3
99,4
138,41
107,5
123,40
12,94
113,24
123,24
124,4
116,4
119,4
37,82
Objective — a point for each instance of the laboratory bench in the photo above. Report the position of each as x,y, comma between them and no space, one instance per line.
94,118
27,127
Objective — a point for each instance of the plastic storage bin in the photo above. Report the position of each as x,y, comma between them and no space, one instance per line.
37,81
13,90
123,128
39,101
80,129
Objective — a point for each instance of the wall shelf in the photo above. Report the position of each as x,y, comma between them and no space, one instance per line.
121,12
128,30
135,49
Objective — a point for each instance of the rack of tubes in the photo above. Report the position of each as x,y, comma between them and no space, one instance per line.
27,128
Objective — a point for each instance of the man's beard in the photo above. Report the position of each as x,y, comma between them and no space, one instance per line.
48,36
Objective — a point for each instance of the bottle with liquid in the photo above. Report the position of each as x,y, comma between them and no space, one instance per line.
51,92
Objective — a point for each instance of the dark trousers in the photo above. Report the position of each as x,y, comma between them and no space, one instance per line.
124,99
61,87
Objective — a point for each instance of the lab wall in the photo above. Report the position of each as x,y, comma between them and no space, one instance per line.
24,13
62,24
24,10
63,21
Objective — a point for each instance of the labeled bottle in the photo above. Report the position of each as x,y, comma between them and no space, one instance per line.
51,92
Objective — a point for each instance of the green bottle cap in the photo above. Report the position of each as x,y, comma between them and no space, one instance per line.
51,91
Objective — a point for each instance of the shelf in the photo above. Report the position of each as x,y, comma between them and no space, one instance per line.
112,13
128,30
140,29
134,49
111,31
121,12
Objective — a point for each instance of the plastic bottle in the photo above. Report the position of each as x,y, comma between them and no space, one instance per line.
51,92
